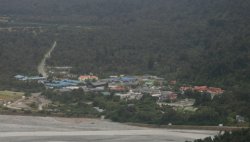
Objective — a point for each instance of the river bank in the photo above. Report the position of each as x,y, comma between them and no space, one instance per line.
29,129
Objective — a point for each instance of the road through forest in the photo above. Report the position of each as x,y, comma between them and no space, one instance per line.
42,66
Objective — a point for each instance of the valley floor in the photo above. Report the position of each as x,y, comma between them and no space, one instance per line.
53,129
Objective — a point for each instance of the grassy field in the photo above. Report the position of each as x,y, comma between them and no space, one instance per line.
10,96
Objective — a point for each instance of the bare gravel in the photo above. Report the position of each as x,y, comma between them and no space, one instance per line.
54,129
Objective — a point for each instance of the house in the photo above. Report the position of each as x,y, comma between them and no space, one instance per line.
118,88
87,77
215,91
240,119
128,79
72,87
200,88
98,84
168,95
130,95
155,93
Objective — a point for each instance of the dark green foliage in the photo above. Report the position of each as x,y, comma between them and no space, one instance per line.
205,42
235,136
143,111
20,53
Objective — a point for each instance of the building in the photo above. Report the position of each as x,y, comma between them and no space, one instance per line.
27,78
215,91
131,95
128,79
62,83
98,84
60,72
240,119
200,88
168,95
87,77
117,88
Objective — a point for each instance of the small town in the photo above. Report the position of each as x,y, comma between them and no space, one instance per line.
126,87
124,70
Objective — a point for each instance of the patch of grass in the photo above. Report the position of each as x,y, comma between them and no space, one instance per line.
9,95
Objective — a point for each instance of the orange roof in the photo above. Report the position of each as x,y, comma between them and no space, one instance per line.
118,88
200,88
214,90
84,77
211,90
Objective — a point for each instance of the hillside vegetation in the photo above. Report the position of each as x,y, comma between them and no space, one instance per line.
204,42
192,41
236,136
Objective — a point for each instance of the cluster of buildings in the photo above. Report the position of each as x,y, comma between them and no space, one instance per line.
211,90
126,87
134,87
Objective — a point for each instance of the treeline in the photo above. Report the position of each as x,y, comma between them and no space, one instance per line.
220,110
202,42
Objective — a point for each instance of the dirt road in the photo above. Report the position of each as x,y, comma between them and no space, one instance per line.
42,66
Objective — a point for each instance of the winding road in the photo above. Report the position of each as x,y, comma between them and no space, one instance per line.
42,66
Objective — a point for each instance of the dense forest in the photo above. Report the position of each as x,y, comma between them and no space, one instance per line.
21,51
201,42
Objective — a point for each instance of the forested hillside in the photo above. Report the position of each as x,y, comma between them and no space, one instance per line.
200,42
20,53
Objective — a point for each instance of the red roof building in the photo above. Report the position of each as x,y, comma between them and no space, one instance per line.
117,88
215,91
